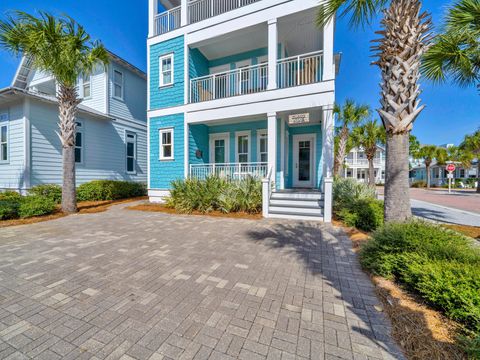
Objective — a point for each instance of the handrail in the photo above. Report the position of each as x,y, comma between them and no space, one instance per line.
319,52
168,20
228,72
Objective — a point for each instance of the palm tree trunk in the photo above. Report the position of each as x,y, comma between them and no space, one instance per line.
371,173
68,103
342,149
478,174
397,188
427,169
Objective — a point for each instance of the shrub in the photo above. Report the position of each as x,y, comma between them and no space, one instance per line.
9,209
440,265
10,195
243,196
100,190
51,191
33,205
419,184
348,191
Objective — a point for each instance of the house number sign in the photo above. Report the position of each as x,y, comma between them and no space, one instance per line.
299,119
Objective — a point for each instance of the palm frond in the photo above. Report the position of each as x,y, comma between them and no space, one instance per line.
360,12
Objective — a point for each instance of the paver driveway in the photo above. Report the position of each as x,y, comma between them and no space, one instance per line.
125,284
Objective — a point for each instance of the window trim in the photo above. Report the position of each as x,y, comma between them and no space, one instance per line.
260,133
83,87
172,70
127,133
249,154
82,148
160,144
115,83
4,122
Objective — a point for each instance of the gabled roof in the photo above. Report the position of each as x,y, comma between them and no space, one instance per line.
11,93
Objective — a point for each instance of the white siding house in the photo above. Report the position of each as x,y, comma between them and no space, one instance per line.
106,126
356,165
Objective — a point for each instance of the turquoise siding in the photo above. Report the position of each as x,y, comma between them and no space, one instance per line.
171,95
198,64
163,172
198,140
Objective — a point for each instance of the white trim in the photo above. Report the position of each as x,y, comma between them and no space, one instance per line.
122,84
219,136
282,154
134,171
160,144
260,133
313,176
287,153
89,97
27,145
5,122
148,153
160,70
186,149
238,134
158,196
107,89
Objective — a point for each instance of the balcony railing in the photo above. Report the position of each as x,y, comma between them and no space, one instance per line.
241,81
199,10
168,21
362,162
229,171
300,70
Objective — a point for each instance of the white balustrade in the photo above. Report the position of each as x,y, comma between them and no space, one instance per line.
168,21
199,10
229,171
300,70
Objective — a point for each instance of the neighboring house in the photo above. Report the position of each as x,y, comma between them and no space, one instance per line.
243,87
439,175
356,165
111,140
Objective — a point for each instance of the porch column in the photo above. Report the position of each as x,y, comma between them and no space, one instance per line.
272,145
282,154
328,130
184,13
272,54
328,57
186,150
152,11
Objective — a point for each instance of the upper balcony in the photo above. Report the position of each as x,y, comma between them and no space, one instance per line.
168,15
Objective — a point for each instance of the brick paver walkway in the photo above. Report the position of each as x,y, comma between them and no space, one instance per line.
132,285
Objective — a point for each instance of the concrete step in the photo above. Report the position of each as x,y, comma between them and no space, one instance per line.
300,211
309,203
283,195
296,217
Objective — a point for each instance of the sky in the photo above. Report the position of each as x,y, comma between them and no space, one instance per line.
451,112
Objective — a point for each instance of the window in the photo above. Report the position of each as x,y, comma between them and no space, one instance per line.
3,137
166,144
87,87
166,70
79,143
243,147
262,146
131,151
118,84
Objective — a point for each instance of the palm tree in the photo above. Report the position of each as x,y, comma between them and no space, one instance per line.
428,153
349,114
61,47
472,145
368,136
455,54
403,41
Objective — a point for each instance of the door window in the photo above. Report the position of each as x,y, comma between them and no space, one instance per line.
220,151
304,152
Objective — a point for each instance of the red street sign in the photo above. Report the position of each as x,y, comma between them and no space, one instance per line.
451,167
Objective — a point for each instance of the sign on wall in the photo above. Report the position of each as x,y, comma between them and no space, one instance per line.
299,119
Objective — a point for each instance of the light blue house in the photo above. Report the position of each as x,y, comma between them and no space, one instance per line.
111,140
240,88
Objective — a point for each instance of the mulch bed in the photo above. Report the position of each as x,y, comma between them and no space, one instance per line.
471,231
148,207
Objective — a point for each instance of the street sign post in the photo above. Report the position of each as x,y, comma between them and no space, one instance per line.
450,168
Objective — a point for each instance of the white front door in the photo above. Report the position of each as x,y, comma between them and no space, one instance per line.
304,161
219,148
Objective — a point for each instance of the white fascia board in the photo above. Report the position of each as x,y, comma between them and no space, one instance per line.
240,18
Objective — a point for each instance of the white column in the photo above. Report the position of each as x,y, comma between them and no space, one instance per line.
186,149
328,65
282,154
328,130
272,145
272,54
152,11
184,16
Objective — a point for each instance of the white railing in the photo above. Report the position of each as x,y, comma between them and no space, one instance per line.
199,10
362,162
168,20
245,80
300,70
229,171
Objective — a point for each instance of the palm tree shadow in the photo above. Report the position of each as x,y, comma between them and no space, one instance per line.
328,257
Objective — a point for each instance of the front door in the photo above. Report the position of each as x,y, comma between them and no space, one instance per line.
304,161
219,148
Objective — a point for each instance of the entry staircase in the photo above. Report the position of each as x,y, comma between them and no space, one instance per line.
296,205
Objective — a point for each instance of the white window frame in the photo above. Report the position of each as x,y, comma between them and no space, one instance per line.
89,82
249,154
80,126
4,122
161,145
122,85
261,133
219,136
172,70
127,141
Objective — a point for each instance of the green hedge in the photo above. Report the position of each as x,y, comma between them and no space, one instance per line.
100,190
33,205
51,191
440,265
215,193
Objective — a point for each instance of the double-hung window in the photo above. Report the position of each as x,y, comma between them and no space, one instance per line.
131,151
166,144
166,70
79,143
3,138
118,84
262,146
87,87
243,147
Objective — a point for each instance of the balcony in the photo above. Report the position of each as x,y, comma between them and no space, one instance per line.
292,71
362,162
229,171
168,21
